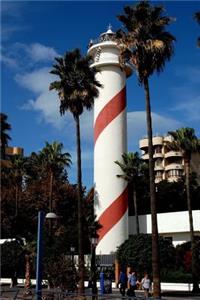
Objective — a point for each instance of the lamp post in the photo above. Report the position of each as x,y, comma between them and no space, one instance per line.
94,242
41,218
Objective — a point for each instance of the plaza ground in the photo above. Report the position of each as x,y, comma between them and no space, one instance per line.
8,293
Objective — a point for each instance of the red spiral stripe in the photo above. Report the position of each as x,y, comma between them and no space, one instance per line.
113,213
110,111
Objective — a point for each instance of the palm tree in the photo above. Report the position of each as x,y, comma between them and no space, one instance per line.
131,167
77,88
5,126
52,159
147,46
17,171
185,140
197,18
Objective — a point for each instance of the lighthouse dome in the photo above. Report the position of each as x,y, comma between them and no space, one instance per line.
109,35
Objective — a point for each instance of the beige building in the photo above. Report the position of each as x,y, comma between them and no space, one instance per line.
9,152
169,165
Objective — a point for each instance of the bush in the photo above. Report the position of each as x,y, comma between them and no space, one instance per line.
136,252
12,259
178,276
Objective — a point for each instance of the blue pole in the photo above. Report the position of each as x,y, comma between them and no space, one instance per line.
39,255
102,286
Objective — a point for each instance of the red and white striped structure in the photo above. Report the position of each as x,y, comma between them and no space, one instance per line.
110,139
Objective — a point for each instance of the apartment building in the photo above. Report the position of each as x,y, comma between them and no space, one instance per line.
169,164
9,152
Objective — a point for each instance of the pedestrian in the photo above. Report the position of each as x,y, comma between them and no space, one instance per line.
146,285
132,280
122,283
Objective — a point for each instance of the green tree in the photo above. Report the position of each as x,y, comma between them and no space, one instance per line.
5,127
185,140
197,18
136,252
52,160
17,172
131,167
147,46
12,258
77,88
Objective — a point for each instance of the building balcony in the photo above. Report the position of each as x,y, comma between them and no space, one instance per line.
145,156
143,143
173,154
168,138
158,168
158,155
157,140
174,166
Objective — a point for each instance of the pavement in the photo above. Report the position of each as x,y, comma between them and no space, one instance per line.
18,294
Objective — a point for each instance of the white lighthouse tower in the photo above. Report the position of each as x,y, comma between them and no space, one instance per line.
110,142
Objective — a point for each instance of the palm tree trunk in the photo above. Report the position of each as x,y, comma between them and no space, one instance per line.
187,178
50,192
80,233
136,211
50,202
27,272
16,200
155,245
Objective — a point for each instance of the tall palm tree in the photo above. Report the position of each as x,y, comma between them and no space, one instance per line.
185,140
77,88
52,159
131,167
17,171
5,126
197,18
147,46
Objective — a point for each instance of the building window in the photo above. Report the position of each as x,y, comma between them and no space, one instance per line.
174,173
158,149
158,162
158,174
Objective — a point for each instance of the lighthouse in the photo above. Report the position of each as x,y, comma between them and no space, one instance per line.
110,142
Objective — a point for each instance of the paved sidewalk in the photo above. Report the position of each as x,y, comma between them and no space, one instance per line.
18,294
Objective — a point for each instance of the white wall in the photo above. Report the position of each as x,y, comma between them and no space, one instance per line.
173,224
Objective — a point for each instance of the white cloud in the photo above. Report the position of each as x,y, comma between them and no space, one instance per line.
28,57
8,61
39,52
11,13
37,81
45,102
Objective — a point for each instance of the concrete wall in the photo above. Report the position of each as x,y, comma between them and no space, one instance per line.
173,224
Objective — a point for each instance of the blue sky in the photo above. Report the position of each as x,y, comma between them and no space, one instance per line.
34,32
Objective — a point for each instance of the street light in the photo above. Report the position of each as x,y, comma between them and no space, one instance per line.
94,242
41,218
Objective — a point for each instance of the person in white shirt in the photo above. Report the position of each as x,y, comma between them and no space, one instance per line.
146,285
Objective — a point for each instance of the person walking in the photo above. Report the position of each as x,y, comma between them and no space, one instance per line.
122,283
146,285
132,280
